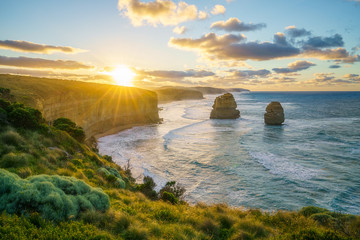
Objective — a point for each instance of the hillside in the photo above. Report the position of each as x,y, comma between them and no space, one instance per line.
98,108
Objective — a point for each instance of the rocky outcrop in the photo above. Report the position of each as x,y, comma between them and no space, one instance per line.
97,108
225,107
274,114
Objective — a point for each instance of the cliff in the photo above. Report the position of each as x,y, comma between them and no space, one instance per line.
169,94
98,108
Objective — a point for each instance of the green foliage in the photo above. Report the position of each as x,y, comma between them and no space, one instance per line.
108,158
134,233
54,197
112,176
14,160
322,218
173,187
308,211
70,127
25,117
166,215
166,196
64,122
35,227
147,188
12,138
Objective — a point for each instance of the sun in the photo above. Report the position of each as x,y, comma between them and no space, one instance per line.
123,75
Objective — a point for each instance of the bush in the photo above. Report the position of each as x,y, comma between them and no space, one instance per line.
12,138
134,233
147,188
322,218
173,187
70,127
25,117
3,117
165,215
308,211
54,197
12,160
169,197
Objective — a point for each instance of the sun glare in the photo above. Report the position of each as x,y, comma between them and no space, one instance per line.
123,76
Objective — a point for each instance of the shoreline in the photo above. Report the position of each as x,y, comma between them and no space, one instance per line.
118,129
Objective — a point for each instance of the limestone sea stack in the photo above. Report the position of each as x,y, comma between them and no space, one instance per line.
225,107
274,114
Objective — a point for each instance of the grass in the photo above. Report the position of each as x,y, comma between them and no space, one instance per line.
31,152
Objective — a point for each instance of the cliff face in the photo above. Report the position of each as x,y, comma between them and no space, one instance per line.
97,108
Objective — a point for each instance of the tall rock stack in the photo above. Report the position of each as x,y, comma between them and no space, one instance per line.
274,114
225,107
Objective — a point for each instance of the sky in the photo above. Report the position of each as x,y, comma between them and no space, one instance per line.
261,45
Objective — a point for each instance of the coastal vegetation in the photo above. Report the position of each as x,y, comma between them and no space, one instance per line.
53,186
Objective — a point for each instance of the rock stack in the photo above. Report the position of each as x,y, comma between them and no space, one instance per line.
274,114
225,108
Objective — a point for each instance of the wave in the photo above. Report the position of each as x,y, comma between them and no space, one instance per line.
284,167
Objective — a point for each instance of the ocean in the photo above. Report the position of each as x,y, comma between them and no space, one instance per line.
312,159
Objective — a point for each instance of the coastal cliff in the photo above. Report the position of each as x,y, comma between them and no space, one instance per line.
97,108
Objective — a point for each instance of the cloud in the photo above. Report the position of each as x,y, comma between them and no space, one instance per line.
280,39
334,66
156,12
218,9
324,42
352,78
99,78
294,67
179,30
235,25
203,15
251,73
229,47
338,54
163,74
294,32
41,63
24,46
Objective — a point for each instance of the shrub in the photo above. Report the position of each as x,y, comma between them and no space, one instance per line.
147,188
23,117
54,197
3,117
12,160
308,211
121,224
210,227
322,218
134,233
12,138
169,197
165,215
119,183
173,187
107,158
70,127
254,228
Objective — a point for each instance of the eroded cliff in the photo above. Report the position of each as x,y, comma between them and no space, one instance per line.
98,108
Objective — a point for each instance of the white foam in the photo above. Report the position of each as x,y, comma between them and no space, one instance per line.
284,167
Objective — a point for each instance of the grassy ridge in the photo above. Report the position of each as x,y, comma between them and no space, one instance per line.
64,168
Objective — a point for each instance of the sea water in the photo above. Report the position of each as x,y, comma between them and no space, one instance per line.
312,159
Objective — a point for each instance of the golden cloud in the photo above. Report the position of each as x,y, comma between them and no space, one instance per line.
163,12
24,46
27,62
